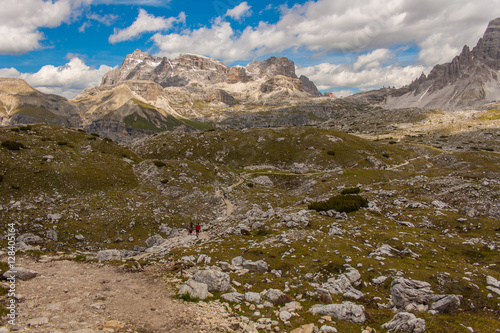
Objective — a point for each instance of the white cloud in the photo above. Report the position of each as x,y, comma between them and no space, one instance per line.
215,41
145,23
239,12
438,27
372,59
21,20
353,76
67,80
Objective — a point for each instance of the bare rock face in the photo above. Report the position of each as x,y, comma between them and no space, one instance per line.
237,74
176,72
221,96
471,78
272,67
309,86
22,104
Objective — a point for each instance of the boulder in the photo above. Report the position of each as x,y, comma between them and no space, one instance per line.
252,297
406,291
154,241
107,255
405,322
30,239
299,168
273,295
263,180
215,280
327,329
259,266
194,289
346,311
20,273
447,304
234,297
285,316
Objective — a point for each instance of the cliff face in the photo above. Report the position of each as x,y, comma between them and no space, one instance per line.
471,78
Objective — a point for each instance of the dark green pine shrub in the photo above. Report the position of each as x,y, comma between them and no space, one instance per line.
12,145
159,164
340,203
352,190
331,153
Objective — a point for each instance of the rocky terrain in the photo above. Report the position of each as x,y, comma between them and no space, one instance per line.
103,227
317,214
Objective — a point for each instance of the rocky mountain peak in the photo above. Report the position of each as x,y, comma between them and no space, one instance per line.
470,78
488,48
272,67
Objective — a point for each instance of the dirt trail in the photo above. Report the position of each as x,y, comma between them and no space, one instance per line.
230,207
90,297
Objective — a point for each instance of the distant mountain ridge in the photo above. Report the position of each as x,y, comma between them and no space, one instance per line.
470,79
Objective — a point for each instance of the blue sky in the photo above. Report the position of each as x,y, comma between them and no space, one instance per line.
344,46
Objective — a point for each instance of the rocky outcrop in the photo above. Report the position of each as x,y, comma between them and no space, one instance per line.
309,86
271,67
221,96
471,78
405,322
238,74
22,104
215,280
346,311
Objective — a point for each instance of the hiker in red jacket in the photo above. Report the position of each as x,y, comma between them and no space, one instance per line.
197,228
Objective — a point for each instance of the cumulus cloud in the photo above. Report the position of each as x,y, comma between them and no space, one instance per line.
151,3
439,28
21,20
348,77
67,80
239,12
145,23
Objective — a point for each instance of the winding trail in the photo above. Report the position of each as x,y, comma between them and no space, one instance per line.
230,207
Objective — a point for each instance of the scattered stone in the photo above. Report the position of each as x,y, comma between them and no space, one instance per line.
285,316
347,311
215,280
234,297
252,297
299,168
406,291
80,238
263,180
447,304
38,321
273,295
107,255
309,328
20,273
154,240
327,329
405,322
194,289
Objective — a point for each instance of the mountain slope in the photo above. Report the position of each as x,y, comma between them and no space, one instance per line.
20,103
471,78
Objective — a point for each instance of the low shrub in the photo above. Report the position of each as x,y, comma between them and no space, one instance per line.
91,138
164,181
249,184
386,155
352,190
340,203
12,145
26,128
62,143
331,153
159,164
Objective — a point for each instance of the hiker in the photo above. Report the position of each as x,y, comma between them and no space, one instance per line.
225,195
198,228
191,227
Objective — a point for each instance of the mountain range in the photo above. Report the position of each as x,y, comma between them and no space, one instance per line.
148,94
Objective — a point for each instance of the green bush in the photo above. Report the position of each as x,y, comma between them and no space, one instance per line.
386,155
250,184
340,203
1,178
15,129
26,128
352,190
12,145
91,138
159,164
331,153
62,143
164,181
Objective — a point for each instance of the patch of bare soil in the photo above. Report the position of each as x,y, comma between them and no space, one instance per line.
68,296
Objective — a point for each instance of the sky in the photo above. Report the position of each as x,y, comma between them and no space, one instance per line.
343,46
